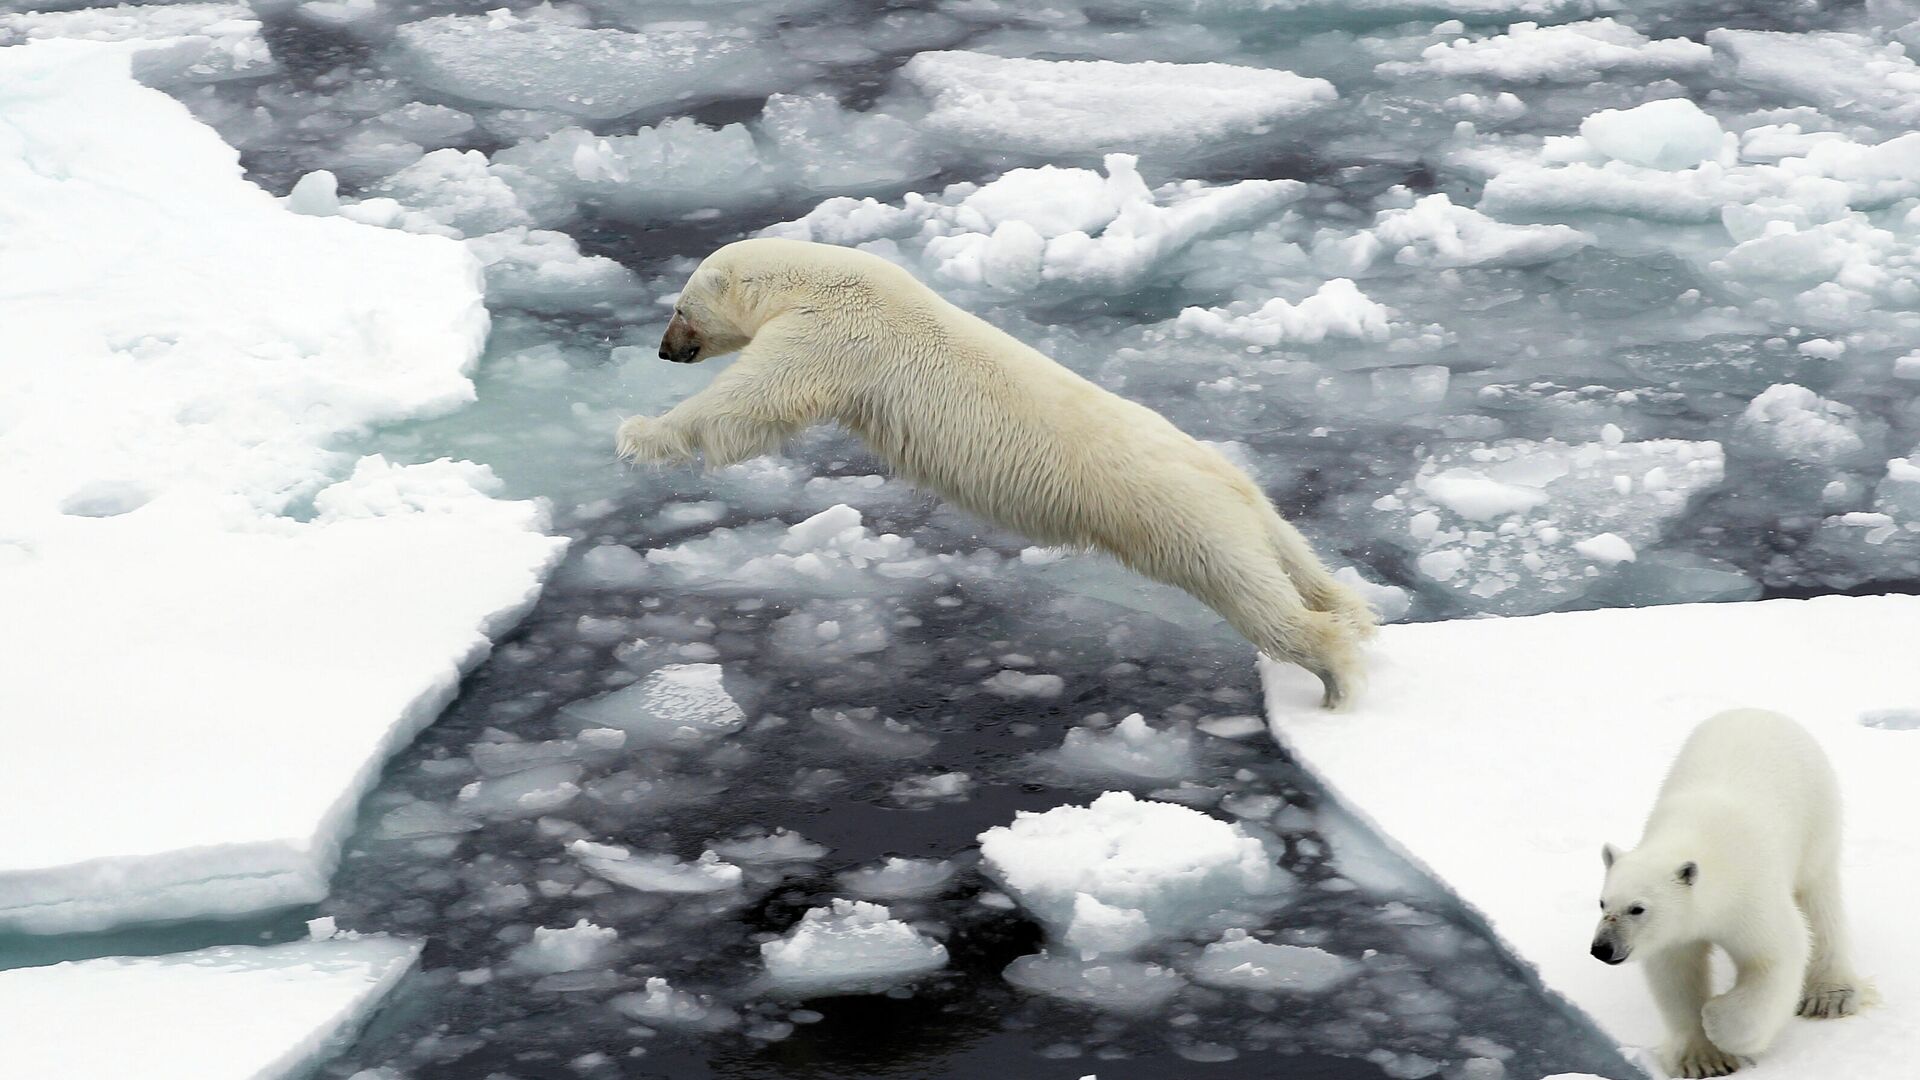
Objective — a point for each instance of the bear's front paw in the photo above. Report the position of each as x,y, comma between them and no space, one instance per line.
1697,1058
1830,1000
1731,1024
642,438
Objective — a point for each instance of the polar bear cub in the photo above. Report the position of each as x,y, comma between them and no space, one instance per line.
1741,851
956,405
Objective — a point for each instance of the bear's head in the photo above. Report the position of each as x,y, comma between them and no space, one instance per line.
706,318
1646,903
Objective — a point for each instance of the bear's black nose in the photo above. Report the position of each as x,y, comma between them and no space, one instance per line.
1603,952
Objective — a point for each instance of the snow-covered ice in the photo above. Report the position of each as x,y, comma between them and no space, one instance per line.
1114,875
1073,230
1240,962
232,1012
1062,108
1522,527
1476,719
211,346
849,946
503,60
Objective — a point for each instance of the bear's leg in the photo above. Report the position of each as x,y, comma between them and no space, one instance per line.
1770,964
1260,600
1680,979
1831,988
1318,587
743,413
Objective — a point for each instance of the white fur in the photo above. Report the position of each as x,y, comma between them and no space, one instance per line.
956,405
1741,852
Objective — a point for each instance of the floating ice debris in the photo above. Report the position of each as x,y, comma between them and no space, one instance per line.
1122,871
574,948
849,947
1239,962
1110,983
1132,748
1338,309
1571,52
666,1006
899,879
778,846
676,704
650,872
1053,108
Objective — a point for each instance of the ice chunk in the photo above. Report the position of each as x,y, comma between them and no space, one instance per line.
1606,549
1337,309
1070,229
170,45
1023,684
217,344
1792,421
666,1006
899,879
1499,527
499,59
1434,232
1838,71
1669,134
849,947
530,792
650,872
1239,962
678,703
1053,108
778,846
1150,869
1572,52
1434,730
829,630
572,948
1131,749
225,1013
1111,983
832,554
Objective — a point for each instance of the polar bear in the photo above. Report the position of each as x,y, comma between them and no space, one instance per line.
954,404
1742,851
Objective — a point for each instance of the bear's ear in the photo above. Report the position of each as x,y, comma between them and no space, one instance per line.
1688,873
1608,853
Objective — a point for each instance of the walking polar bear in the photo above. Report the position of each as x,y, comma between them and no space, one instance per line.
955,405
1742,851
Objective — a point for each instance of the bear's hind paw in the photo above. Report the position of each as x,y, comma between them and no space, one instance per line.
1702,1059
1829,1002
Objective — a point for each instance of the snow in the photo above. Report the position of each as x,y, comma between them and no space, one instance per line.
169,45
1055,108
850,946
1505,785
211,347
225,1013
1121,872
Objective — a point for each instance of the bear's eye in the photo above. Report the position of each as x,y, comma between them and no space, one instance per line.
1637,909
